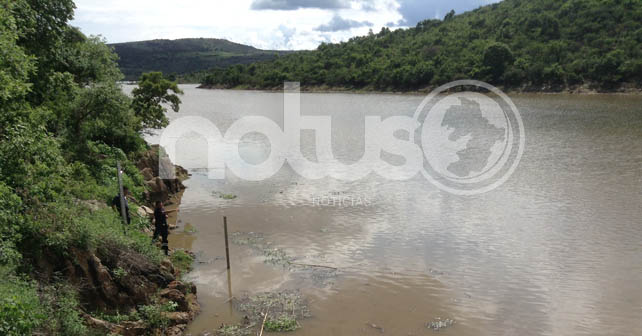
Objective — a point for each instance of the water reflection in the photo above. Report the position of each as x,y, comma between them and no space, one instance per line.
554,251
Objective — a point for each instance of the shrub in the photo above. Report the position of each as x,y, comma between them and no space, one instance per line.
20,309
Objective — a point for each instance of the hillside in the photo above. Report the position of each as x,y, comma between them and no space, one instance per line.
185,56
535,45
69,265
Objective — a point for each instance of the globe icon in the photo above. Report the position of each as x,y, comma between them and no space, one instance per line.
466,137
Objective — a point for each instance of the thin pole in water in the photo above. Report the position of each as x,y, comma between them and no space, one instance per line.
227,247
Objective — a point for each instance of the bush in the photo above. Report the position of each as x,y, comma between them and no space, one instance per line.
154,314
20,309
63,316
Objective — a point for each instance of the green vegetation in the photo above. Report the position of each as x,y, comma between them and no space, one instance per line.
233,330
184,58
64,122
283,323
182,260
154,314
283,309
524,44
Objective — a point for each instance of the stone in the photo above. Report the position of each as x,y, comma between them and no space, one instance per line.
177,318
147,173
180,286
176,330
175,296
158,191
144,211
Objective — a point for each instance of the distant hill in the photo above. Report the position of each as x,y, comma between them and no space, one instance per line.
182,57
533,45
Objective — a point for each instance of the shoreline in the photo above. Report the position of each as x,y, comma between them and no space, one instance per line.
625,90
161,286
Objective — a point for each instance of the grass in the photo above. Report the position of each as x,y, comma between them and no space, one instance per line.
153,314
182,260
20,309
283,323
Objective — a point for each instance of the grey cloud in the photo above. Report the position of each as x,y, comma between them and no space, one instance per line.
298,4
338,24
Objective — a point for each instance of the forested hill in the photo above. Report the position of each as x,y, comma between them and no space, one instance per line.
538,45
184,56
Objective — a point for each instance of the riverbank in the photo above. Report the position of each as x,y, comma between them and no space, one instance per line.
588,89
131,295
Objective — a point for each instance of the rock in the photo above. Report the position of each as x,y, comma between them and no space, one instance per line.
180,286
167,266
158,191
176,330
177,318
175,296
103,278
147,173
192,303
144,211
154,169
132,328
126,328
99,324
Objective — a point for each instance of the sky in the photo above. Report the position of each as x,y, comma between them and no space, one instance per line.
265,24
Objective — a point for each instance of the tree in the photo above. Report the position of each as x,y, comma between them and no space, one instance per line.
497,57
450,15
154,90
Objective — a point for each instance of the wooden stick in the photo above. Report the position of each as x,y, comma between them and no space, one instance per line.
312,265
263,324
227,247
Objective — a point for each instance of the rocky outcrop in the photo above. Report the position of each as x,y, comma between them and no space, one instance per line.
151,164
109,279
114,278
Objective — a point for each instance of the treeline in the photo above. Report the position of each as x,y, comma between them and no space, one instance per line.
525,44
64,122
184,59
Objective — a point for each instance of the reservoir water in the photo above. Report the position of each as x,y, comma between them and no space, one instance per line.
556,250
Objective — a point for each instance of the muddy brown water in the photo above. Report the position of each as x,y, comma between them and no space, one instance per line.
556,250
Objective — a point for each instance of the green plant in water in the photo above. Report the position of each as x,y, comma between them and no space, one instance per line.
283,323
232,330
